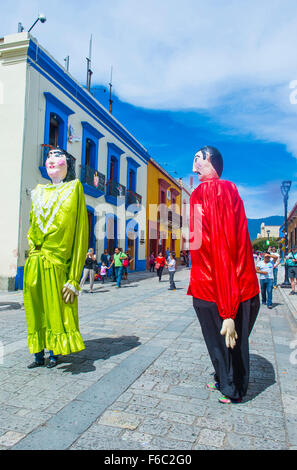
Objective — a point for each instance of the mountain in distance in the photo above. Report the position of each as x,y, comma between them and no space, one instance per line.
254,225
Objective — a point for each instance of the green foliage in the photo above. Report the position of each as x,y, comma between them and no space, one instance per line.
260,244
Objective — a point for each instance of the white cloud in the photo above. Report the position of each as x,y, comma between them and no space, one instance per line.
265,200
234,56
259,201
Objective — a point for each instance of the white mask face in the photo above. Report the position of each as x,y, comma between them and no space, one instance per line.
203,167
56,166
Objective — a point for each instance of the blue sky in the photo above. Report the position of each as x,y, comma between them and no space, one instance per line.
187,74
172,138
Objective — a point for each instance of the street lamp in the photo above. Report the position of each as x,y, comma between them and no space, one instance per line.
285,188
41,18
268,232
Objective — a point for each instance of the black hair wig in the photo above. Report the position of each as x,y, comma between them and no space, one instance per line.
216,158
70,162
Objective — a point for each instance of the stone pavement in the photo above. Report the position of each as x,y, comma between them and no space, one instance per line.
140,382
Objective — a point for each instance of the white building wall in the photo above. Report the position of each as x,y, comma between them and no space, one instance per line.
12,105
23,85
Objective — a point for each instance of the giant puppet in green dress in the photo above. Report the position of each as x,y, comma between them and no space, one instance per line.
58,242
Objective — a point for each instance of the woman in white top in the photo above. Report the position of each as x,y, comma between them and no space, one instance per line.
171,269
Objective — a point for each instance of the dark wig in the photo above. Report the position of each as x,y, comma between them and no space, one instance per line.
216,158
70,163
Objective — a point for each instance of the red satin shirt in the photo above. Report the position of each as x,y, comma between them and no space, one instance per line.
222,268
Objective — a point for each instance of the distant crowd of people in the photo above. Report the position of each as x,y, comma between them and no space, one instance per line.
115,267
267,264
110,266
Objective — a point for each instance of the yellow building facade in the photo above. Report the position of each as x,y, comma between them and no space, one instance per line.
163,212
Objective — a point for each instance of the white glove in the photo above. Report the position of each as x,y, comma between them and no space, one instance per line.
228,330
68,295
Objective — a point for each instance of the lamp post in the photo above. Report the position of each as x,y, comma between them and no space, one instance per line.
41,18
285,188
268,232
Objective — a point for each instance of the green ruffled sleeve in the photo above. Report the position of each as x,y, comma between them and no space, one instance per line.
80,242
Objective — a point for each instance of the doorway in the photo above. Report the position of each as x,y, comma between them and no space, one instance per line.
131,250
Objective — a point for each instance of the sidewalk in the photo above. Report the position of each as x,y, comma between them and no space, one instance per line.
289,300
140,382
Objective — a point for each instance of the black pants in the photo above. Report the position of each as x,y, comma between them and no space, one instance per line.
231,365
152,268
159,272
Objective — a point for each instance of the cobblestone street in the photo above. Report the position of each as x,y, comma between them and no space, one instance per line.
140,382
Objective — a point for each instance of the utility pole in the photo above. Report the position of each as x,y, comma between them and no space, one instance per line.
110,87
285,188
89,71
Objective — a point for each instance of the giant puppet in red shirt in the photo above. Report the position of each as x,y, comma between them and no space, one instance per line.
223,280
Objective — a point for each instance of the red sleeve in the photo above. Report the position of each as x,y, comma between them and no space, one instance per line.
225,210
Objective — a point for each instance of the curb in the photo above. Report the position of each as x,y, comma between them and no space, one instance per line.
287,301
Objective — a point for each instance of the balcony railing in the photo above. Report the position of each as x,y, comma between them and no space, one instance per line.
133,198
93,178
115,189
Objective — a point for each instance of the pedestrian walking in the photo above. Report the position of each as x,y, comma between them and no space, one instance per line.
112,272
152,263
276,263
160,262
265,269
126,262
118,265
89,269
291,262
171,269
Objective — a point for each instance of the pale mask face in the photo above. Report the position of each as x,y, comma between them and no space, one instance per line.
56,166
203,167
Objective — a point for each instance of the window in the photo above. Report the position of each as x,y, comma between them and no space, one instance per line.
132,180
56,121
90,145
112,171
54,130
90,153
114,188
55,126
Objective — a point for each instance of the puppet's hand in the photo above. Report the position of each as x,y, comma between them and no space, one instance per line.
228,330
68,295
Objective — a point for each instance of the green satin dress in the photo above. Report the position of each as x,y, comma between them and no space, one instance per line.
58,243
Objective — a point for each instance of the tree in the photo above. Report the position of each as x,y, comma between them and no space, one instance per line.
260,244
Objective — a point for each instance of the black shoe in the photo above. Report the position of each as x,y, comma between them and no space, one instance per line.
269,306
292,292
35,364
52,363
